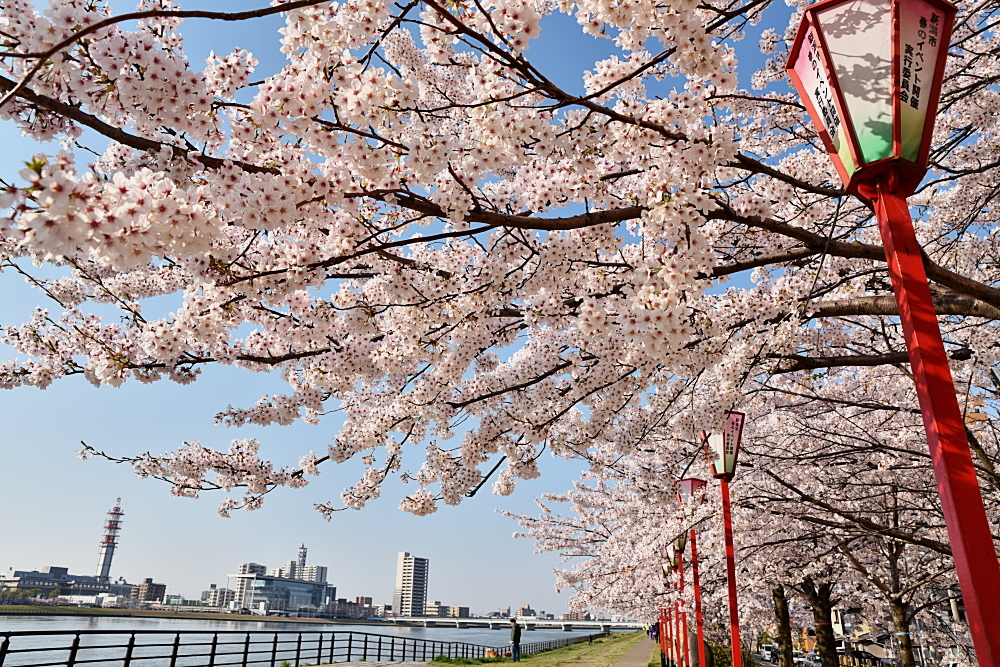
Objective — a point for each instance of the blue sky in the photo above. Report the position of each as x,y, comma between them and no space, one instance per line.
53,504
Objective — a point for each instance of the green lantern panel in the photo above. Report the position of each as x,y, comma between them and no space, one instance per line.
859,40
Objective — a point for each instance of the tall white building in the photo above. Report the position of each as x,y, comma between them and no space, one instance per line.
245,574
299,570
410,598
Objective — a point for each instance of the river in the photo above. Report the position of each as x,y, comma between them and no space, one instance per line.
19,622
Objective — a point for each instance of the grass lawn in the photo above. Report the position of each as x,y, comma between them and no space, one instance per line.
603,652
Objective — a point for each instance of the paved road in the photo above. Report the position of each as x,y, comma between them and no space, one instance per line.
639,655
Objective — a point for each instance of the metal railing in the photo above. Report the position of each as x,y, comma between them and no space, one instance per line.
227,648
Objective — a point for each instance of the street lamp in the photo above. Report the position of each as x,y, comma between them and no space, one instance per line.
663,630
682,624
870,72
691,492
674,565
666,619
724,448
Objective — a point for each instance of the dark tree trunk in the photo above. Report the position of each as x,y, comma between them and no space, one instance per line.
784,622
902,625
819,597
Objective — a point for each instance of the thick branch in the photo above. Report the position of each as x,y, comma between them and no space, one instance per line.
886,305
800,363
117,134
148,14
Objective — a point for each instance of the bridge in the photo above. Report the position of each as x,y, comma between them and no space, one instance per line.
502,623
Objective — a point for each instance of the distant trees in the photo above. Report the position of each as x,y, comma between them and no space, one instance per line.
19,596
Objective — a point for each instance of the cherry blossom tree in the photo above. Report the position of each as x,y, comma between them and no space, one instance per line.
419,228
835,505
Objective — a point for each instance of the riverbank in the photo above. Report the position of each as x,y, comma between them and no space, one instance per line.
37,610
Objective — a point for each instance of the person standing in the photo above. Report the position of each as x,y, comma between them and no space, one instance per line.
515,641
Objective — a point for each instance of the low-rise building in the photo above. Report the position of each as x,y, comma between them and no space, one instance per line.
525,612
220,597
51,581
293,588
435,609
576,616
148,591
344,608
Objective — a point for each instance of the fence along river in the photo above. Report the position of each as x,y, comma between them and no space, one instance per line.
296,645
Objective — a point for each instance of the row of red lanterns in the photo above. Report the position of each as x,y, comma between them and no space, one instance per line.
870,74
723,449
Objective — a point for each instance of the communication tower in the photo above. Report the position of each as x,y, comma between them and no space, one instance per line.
109,542
302,557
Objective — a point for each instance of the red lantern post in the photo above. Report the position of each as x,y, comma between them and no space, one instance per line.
663,635
725,448
682,644
699,621
691,491
674,566
678,658
870,72
670,640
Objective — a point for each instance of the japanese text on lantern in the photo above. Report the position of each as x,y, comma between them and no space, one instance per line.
734,425
912,77
822,96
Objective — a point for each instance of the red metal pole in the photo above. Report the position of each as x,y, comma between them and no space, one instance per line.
670,636
685,648
734,612
968,529
685,655
699,627
678,658
663,631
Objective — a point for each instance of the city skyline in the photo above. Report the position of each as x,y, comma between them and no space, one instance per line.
157,541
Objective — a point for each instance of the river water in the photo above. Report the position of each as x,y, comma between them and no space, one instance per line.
287,632
484,636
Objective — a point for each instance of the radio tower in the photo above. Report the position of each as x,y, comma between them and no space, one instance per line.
302,559
109,542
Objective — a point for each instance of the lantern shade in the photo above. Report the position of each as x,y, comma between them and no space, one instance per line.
691,488
690,491
680,543
723,448
869,72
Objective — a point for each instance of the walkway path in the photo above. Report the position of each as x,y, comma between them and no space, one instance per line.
602,653
639,655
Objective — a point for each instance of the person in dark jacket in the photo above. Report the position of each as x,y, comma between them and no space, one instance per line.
515,641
